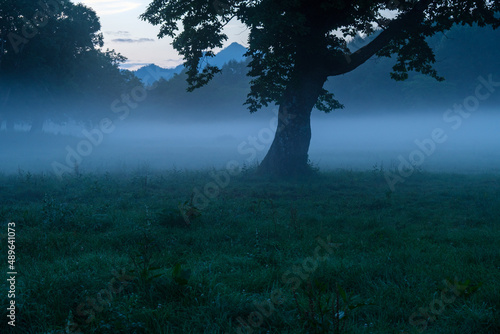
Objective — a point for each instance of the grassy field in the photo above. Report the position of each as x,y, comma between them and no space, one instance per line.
338,253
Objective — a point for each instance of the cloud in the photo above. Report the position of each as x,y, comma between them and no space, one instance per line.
110,7
118,33
131,40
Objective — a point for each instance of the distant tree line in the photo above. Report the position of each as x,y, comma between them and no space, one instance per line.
220,99
52,65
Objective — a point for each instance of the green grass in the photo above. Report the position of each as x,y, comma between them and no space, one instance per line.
112,253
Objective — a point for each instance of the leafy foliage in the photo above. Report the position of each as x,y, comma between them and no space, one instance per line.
180,276
286,34
51,59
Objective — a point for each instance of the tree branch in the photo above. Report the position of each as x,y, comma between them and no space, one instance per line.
341,64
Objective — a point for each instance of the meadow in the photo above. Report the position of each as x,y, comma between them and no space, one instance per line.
338,252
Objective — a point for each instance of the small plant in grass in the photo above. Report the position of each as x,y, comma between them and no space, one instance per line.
323,311
378,170
188,211
422,318
144,269
179,275
124,316
465,289
145,272
182,216
170,217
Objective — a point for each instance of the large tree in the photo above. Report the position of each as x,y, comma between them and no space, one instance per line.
51,62
295,45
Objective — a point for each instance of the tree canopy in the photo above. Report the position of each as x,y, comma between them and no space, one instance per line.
51,61
296,45
283,32
368,90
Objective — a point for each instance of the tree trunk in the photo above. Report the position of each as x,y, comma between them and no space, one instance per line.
288,154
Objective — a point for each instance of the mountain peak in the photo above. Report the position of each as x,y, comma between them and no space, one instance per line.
235,45
233,51
151,73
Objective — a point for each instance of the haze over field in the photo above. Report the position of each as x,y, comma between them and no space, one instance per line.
339,140
156,123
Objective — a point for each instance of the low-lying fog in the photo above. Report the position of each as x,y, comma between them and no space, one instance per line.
439,142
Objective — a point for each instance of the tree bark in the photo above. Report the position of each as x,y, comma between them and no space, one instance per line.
288,154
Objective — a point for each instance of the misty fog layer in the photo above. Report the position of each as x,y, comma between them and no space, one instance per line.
120,121
433,141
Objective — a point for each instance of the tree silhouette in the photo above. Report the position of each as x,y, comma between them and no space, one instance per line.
51,65
296,45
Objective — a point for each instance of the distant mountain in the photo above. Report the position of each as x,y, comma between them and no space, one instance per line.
151,73
234,51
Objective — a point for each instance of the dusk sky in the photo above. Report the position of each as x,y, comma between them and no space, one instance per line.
137,40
